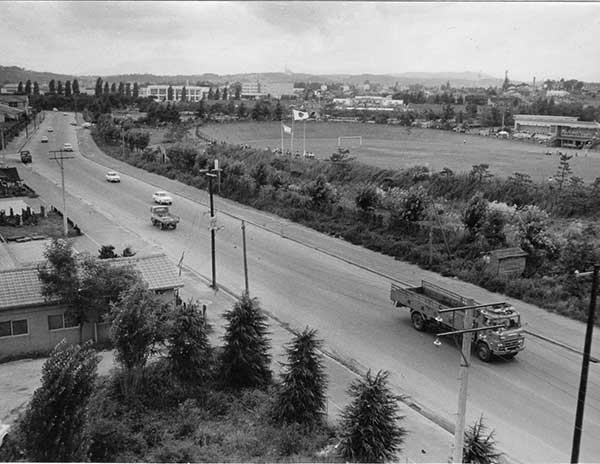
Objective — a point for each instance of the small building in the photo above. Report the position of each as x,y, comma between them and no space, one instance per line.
32,323
16,101
563,131
507,262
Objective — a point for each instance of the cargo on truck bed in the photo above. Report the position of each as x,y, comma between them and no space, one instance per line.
426,301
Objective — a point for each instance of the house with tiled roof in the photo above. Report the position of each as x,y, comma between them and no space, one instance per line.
33,323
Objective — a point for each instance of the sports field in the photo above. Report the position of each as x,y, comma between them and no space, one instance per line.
396,147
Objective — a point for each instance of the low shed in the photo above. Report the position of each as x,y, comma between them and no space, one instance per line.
507,261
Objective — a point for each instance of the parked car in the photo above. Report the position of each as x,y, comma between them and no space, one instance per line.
67,147
73,123
25,156
65,114
162,198
54,109
44,139
50,129
112,176
86,125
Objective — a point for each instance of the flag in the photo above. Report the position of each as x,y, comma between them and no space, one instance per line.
300,115
287,129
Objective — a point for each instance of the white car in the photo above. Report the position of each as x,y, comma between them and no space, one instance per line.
67,147
112,176
50,129
162,198
44,139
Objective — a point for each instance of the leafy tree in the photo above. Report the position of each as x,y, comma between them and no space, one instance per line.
75,87
369,424
211,94
217,94
480,172
59,274
98,89
366,199
238,91
493,228
302,395
321,192
479,448
113,88
107,252
183,94
409,204
260,173
475,214
136,90
242,111
225,95
447,113
278,111
20,90
245,361
54,426
60,90
28,87
138,326
170,93
201,111
106,88
189,350
121,88
182,157
564,170
36,88
52,87
68,90
532,233
128,89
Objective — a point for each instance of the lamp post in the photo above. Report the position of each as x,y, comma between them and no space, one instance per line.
211,174
585,364
465,353
59,158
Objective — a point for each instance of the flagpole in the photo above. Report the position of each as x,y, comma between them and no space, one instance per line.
304,138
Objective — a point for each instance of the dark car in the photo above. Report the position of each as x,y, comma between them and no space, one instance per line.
25,156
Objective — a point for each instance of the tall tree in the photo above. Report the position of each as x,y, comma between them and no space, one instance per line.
121,89
136,90
60,90
28,87
564,170
128,89
217,94
238,92
369,425
189,350
183,94
302,396
201,111
36,88
20,88
52,87
211,94
113,88
98,90
225,93
278,111
245,361
106,88
170,93
475,214
53,428
242,111
68,89
76,90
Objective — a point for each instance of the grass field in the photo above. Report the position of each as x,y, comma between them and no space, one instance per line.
396,147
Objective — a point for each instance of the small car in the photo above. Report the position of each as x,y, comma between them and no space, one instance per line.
162,198
73,123
112,176
44,139
65,114
25,156
54,109
50,129
67,147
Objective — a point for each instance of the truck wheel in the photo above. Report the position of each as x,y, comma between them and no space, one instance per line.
162,226
174,226
483,352
153,222
418,321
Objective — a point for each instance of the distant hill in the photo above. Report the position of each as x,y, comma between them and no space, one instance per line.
14,74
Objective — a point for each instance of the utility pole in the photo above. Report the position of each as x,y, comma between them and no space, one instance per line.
585,364
213,226
245,260
59,158
2,144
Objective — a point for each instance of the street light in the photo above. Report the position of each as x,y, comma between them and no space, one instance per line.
211,174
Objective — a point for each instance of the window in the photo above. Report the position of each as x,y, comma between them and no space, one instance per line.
61,321
12,328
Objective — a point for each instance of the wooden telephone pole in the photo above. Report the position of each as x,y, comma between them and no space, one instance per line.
59,157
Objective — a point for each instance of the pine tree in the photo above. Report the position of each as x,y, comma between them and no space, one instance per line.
217,94
225,93
136,90
68,89
52,87
113,88
75,87
60,90
54,425
128,89
98,90
564,170
183,94
245,360
189,350
302,397
211,94
36,88
28,87
480,449
20,88
170,93
369,424
121,89
106,88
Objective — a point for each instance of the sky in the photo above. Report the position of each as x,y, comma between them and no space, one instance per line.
542,39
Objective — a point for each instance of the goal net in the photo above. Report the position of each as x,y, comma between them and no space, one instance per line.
353,140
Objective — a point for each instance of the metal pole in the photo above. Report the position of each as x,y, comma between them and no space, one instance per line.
62,177
2,146
212,233
304,138
465,359
584,370
245,260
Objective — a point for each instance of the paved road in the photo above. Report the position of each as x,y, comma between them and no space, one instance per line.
529,401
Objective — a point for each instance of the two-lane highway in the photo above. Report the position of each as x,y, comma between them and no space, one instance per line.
530,401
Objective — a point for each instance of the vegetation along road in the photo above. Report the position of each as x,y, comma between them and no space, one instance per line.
530,401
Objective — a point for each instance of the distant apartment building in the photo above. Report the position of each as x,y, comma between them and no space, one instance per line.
278,89
252,90
368,102
194,93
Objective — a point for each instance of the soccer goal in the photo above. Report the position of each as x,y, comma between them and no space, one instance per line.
350,138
